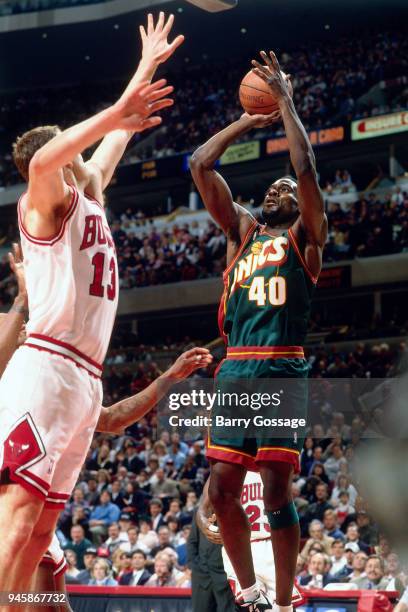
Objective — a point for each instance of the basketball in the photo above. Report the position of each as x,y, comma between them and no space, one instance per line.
256,97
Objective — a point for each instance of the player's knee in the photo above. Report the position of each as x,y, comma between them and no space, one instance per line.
277,495
220,498
285,516
17,536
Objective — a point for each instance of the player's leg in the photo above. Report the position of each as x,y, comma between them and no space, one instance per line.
60,587
284,522
19,512
225,488
25,565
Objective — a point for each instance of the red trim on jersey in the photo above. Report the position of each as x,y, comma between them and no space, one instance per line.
230,455
48,350
61,568
243,353
69,347
300,256
221,315
241,248
91,197
55,495
50,505
47,560
27,485
217,369
51,240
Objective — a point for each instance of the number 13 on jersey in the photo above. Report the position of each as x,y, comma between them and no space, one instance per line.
276,294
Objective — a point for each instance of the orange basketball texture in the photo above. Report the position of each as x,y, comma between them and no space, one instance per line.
256,97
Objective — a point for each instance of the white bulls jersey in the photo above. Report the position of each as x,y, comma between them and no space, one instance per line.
72,281
253,504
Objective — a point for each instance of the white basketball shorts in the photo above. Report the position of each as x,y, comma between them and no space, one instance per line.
49,408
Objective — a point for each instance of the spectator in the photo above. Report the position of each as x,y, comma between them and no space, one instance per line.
84,575
163,487
147,538
334,460
317,509
71,559
164,541
395,576
338,558
350,550
331,527
156,515
121,564
103,515
353,535
139,574
78,543
359,564
175,455
317,535
115,539
374,578
343,484
101,574
318,575
164,573
368,532
132,462
344,508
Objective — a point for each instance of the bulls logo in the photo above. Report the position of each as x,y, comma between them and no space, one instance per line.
23,446
18,449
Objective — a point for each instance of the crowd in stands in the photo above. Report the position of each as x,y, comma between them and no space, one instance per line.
129,517
327,85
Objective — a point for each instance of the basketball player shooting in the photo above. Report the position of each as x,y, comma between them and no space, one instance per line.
263,318
71,274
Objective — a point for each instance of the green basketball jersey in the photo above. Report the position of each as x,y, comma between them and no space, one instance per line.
267,292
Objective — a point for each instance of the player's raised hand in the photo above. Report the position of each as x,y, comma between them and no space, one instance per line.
155,44
16,264
271,73
136,105
262,121
189,362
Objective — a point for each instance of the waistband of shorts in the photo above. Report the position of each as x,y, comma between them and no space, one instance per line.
57,347
265,352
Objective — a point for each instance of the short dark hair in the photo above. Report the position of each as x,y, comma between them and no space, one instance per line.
29,143
139,551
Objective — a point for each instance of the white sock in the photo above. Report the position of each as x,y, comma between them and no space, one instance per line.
251,593
278,608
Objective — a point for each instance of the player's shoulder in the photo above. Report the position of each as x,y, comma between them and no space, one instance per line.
246,220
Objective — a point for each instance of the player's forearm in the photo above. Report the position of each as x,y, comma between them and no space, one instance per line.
145,72
111,150
301,152
109,153
207,155
64,147
115,418
10,331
